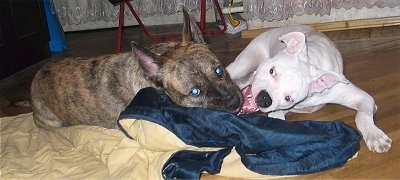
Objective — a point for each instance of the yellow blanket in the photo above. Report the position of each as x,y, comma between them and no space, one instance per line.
80,152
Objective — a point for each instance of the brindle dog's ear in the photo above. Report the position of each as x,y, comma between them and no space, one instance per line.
148,61
191,31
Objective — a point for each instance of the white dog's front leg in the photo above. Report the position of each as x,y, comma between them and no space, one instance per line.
351,96
375,138
278,114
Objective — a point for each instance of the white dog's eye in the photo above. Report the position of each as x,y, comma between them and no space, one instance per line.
272,71
288,99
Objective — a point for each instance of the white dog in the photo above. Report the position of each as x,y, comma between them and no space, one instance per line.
298,69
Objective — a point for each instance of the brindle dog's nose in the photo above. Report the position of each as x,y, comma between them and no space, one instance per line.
263,99
232,102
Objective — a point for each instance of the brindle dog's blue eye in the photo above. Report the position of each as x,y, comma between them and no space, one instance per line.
219,71
195,91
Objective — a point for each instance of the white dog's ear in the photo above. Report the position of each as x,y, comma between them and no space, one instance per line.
324,80
295,42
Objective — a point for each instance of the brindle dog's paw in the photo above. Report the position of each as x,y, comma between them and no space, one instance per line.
378,141
21,103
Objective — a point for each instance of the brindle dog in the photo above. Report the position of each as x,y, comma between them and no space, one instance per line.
94,91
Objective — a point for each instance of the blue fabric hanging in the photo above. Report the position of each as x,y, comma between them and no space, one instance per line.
57,39
266,145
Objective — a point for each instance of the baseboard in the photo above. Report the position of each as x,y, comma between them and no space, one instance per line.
339,25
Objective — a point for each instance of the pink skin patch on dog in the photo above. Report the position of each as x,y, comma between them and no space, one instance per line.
249,104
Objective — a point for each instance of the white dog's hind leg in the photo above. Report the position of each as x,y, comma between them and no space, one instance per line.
353,97
244,81
247,61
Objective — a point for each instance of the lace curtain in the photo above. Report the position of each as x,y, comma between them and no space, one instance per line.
275,10
75,12
82,11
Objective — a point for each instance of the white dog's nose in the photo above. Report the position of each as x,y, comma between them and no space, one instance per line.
263,99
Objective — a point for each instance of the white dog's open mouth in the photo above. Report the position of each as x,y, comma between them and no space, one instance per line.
249,104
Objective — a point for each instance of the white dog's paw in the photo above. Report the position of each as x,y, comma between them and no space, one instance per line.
378,141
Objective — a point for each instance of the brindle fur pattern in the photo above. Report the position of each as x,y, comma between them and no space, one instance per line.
94,91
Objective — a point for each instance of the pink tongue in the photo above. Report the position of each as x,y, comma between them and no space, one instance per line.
249,104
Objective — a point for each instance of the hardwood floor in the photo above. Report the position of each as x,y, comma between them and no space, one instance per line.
371,58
